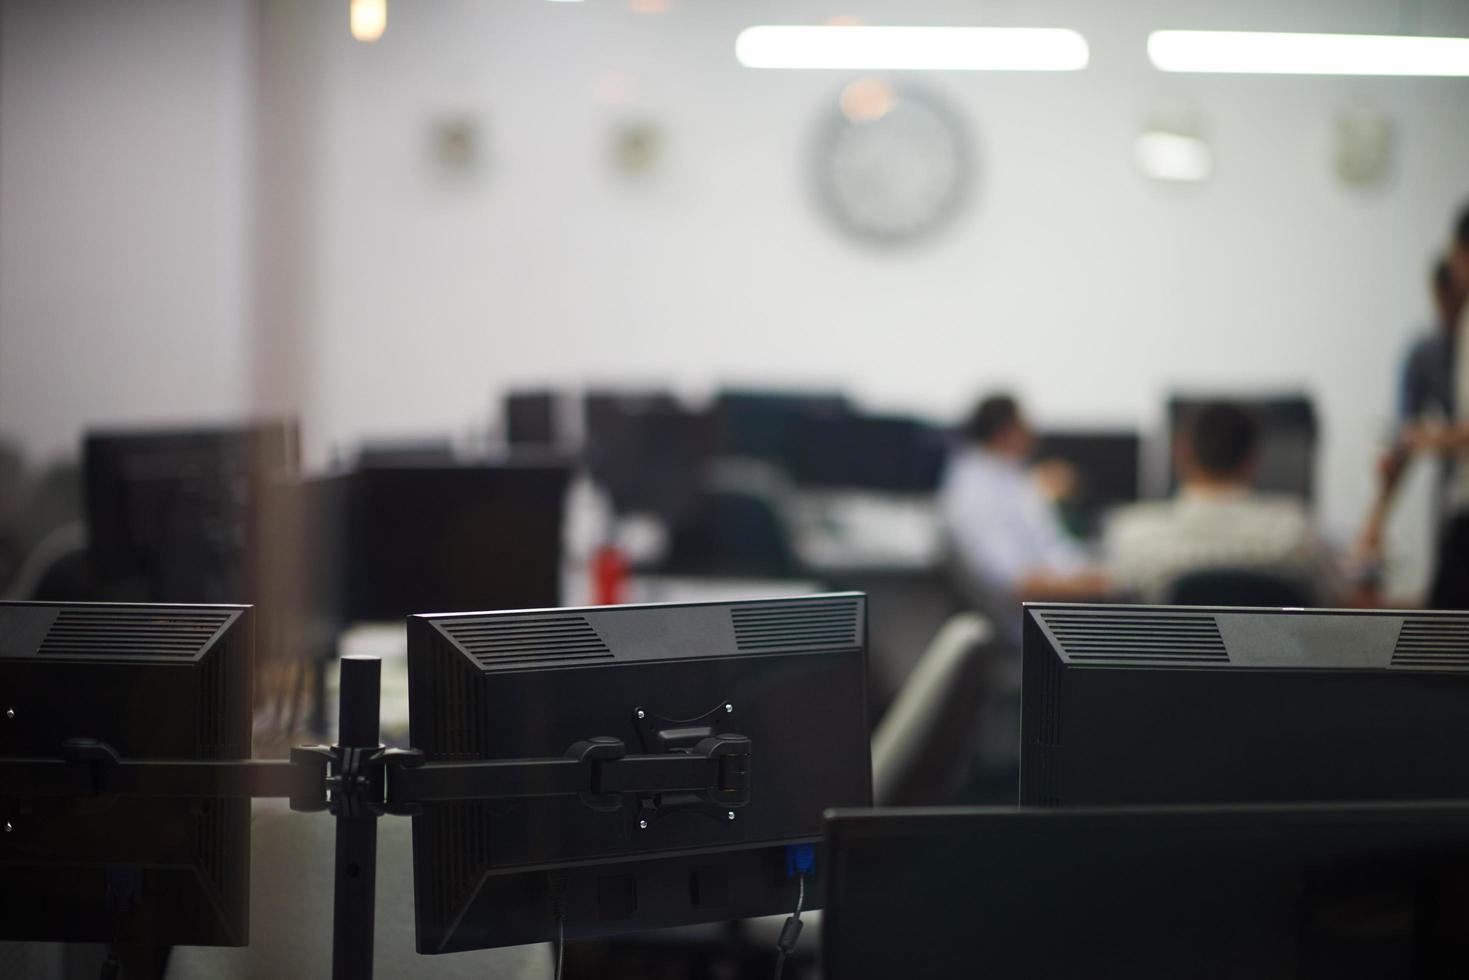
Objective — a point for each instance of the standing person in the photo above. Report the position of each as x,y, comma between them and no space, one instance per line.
1435,403
1003,530
1450,589
1426,397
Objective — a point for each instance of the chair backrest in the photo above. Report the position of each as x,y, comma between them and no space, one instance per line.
924,738
1237,587
56,569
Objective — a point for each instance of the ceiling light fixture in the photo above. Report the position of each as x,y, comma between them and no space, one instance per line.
368,19
866,48
1308,54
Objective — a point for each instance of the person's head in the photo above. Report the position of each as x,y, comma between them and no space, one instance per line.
1459,252
998,425
1448,297
1221,446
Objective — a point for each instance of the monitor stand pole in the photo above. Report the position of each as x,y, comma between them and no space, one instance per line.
355,786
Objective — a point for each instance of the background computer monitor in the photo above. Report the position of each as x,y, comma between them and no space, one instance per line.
153,682
1140,705
172,515
1108,465
530,418
865,452
1323,892
650,456
446,538
759,424
1288,430
530,684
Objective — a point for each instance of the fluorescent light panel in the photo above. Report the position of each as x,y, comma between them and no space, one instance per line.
1308,54
866,48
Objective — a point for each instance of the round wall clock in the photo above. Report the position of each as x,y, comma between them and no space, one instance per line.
893,164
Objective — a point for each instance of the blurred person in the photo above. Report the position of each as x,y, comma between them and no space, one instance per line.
1217,520
1437,425
1426,397
1001,523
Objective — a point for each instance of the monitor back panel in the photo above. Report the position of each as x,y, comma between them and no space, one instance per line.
153,682
1139,705
792,675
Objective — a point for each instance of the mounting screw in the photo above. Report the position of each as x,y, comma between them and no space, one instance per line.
641,713
728,708
730,814
642,825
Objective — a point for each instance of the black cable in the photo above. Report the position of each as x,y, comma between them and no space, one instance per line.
560,944
556,883
790,933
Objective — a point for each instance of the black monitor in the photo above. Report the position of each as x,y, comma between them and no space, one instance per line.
446,538
172,514
530,419
1288,430
1144,704
1108,465
153,682
865,452
759,424
650,456
789,675
434,451
1305,892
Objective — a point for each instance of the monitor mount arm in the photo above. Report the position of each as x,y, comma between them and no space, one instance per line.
358,780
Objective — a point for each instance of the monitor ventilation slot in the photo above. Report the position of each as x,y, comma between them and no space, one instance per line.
1433,641
527,641
796,625
115,632
1173,638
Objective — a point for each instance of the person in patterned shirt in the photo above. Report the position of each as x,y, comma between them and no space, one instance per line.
1217,520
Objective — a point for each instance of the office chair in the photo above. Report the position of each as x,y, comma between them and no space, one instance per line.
56,568
923,739
1237,587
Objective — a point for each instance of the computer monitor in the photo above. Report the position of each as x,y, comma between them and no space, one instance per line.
1305,892
448,538
888,454
531,419
1288,430
651,458
153,682
758,424
787,674
1148,704
609,418
172,514
1108,465
431,451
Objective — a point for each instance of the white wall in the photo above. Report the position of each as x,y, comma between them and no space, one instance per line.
125,220
1069,276
124,205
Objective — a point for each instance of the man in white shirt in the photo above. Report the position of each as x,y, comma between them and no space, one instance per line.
1003,530
1216,521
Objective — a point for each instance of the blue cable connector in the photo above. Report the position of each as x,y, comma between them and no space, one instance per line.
800,859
